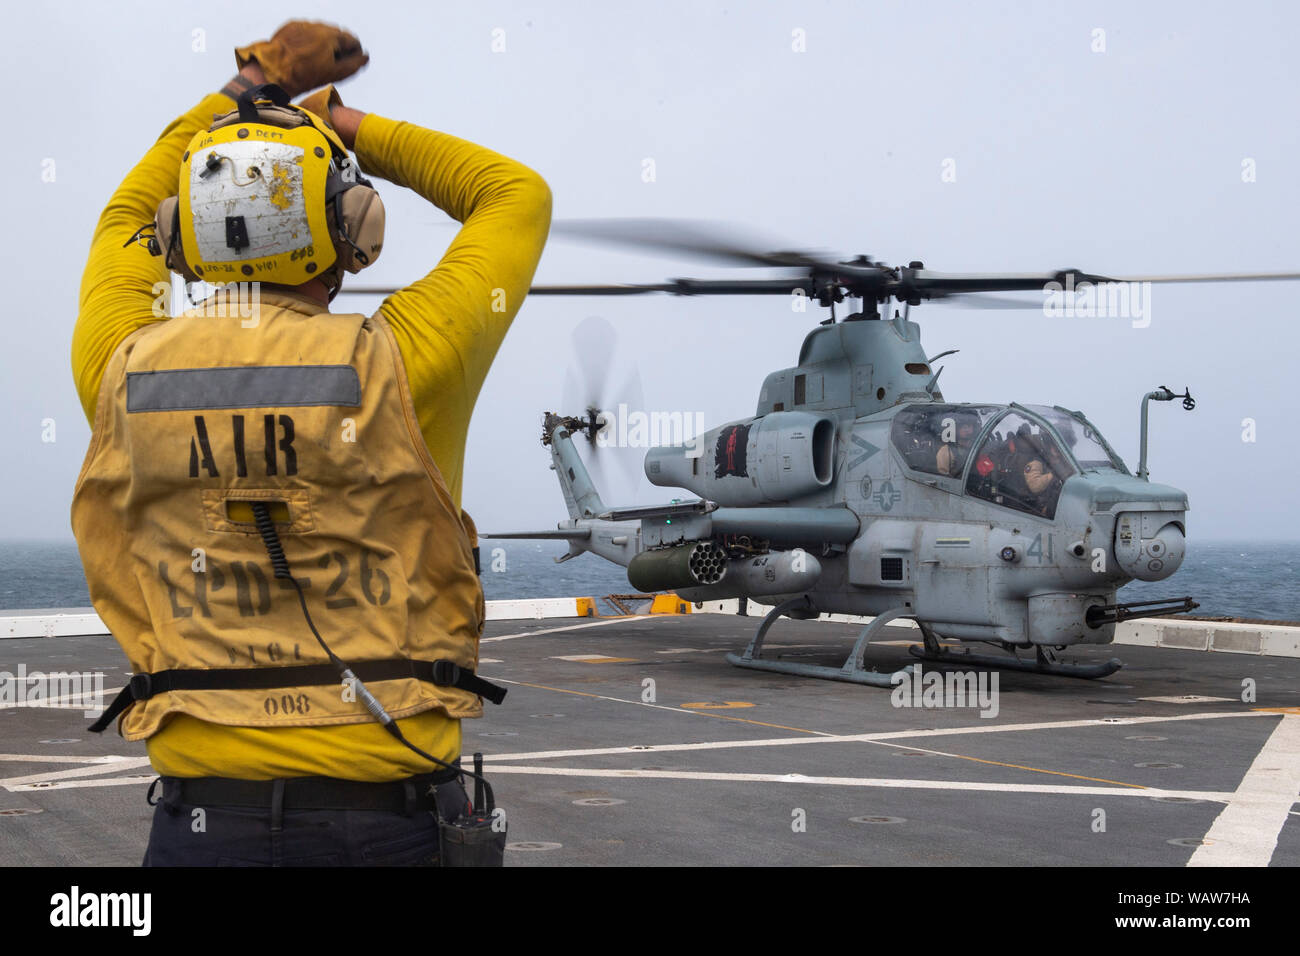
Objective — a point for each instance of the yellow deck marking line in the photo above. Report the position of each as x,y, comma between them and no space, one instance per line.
1277,710
678,710
1014,766
719,705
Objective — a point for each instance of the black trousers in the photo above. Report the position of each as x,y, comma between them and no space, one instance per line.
189,834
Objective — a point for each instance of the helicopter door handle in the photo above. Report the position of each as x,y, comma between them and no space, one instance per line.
930,561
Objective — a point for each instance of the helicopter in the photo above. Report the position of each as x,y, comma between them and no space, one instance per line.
857,488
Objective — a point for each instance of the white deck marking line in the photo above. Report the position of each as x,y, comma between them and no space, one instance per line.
77,784
851,738
125,764
1188,699
570,627
1246,832
56,703
879,782
52,758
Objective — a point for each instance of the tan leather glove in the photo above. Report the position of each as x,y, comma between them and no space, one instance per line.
321,102
304,54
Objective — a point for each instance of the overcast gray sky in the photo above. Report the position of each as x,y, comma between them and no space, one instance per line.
1123,161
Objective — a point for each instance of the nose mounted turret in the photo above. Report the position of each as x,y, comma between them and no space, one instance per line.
1149,546
1143,525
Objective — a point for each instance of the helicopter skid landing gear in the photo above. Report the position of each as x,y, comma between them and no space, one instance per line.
852,670
1045,661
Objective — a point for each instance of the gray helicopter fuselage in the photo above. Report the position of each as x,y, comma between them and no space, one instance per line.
857,485
826,439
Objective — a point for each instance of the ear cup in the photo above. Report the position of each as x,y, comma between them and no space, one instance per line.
362,214
167,231
168,213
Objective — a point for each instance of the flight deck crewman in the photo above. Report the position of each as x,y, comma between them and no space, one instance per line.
346,432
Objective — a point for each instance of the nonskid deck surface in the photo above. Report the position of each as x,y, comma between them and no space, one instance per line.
631,742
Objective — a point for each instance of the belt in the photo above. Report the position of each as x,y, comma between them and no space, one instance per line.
305,793
442,673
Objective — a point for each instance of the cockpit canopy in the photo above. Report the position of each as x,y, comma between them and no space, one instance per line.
937,439
1017,456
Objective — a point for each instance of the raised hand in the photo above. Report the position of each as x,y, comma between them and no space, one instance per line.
305,54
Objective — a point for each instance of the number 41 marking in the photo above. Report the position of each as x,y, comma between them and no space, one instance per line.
1035,550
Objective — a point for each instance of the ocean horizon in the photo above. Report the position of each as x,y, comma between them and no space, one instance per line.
1256,580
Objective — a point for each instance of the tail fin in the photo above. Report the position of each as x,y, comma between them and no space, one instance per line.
618,541
580,495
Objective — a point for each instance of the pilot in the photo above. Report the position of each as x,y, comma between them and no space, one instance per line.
1024,471
357,470
951,456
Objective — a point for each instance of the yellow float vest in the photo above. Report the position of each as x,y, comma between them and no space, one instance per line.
200,415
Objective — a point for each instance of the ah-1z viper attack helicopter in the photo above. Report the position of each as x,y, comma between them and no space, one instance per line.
858,488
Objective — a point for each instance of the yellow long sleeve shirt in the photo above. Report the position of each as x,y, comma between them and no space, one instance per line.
448,325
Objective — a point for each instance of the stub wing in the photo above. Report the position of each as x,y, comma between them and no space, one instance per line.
676,509
608,539
577,538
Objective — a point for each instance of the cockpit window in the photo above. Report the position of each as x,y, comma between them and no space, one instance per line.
1087,446
937,439
1020,466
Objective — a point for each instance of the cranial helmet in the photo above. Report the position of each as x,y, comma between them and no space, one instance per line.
269,193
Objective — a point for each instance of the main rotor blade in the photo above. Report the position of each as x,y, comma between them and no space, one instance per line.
875,282
1215,277
982,300
613,289
1011,282
695,239
923,281
948,287
601,289
675,287
783,286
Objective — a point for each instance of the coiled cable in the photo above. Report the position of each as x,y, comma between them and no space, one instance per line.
280,564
